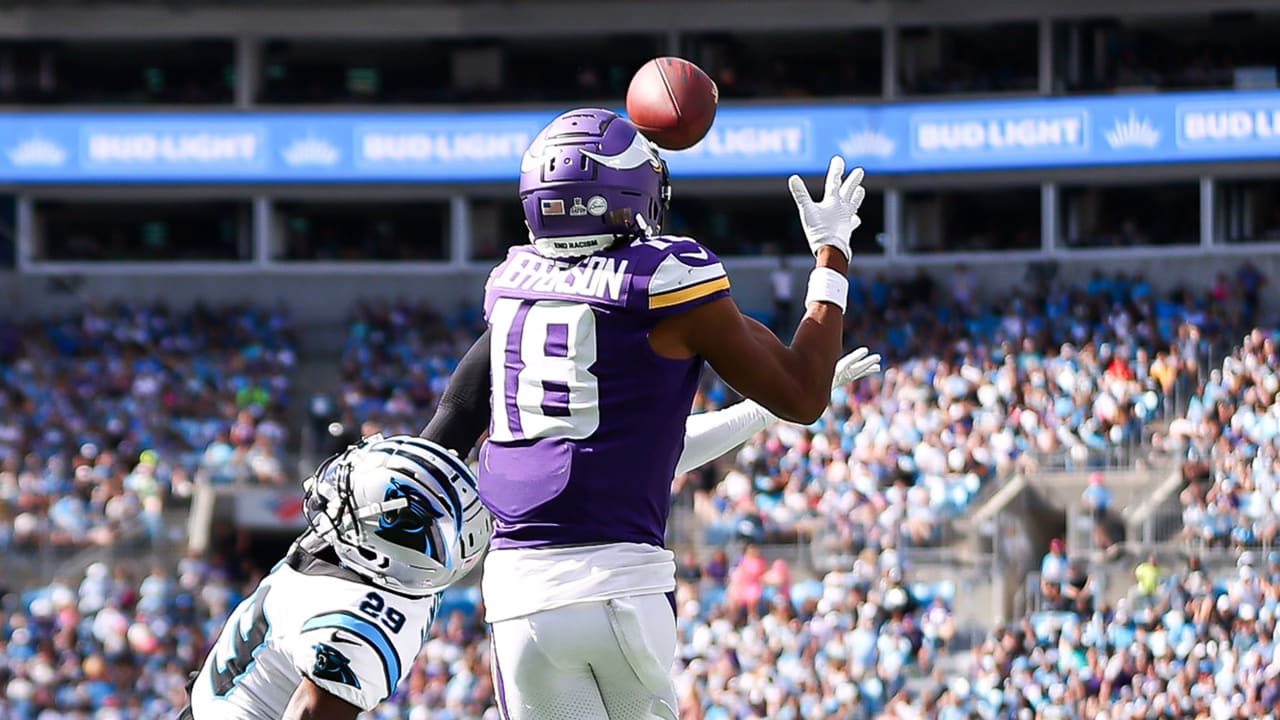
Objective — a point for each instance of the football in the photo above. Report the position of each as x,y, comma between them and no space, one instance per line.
673,102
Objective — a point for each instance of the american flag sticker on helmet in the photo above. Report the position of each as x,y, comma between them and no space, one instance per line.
553,207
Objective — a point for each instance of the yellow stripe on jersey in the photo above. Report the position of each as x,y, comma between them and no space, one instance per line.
684,295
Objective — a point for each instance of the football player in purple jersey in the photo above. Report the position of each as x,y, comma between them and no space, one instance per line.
598,331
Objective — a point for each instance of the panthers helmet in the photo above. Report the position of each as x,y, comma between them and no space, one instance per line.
588,180
401,511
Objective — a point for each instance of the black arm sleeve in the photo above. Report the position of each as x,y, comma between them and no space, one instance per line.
463,414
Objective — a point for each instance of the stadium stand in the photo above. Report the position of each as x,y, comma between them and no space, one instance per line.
396,360
1232,499
977,388
110,411
755,637
109,644
1188,644
120,645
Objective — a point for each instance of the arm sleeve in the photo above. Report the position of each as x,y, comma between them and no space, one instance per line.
463,414
707,436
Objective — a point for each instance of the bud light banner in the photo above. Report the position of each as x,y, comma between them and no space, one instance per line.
480,146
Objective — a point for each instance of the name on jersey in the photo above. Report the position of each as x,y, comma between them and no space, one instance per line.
596,277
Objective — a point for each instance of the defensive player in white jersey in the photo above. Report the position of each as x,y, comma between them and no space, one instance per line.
600,328
338,623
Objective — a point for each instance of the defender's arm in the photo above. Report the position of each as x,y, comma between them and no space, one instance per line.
709,435
463,413
310,702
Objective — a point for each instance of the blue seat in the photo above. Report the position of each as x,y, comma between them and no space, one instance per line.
715,712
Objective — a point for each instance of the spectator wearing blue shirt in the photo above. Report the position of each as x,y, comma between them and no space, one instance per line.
1097,498
1053,567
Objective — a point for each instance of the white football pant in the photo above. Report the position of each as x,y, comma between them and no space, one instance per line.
596,660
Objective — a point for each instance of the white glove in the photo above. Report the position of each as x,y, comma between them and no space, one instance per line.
855,366
833,220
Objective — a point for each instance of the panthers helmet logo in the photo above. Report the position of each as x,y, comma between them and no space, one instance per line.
334,666
409,526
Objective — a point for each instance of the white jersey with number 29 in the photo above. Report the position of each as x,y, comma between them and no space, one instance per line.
310,619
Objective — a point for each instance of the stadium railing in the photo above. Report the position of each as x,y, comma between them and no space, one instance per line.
43,560
1158,519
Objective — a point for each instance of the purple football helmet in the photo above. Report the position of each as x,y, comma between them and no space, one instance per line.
588,180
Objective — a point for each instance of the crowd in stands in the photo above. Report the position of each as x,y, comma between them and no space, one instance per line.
107,411
1232,456
973,389
754,644
976,387
396,361
1185,644
111,645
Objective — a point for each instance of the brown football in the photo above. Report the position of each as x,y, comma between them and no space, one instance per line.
673,102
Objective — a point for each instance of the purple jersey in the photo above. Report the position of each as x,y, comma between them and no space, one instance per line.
588,421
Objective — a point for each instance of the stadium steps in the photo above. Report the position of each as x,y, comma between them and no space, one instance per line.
322,339
315,377
1156,522
1058,493
1029,510
1064,489
23,568
318,373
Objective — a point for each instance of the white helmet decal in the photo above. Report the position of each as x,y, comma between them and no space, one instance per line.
639,152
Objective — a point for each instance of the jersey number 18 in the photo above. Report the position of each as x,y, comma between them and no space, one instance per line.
541,360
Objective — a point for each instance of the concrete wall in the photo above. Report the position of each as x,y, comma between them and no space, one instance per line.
323,298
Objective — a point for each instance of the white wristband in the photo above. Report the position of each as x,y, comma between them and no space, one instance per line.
827,285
